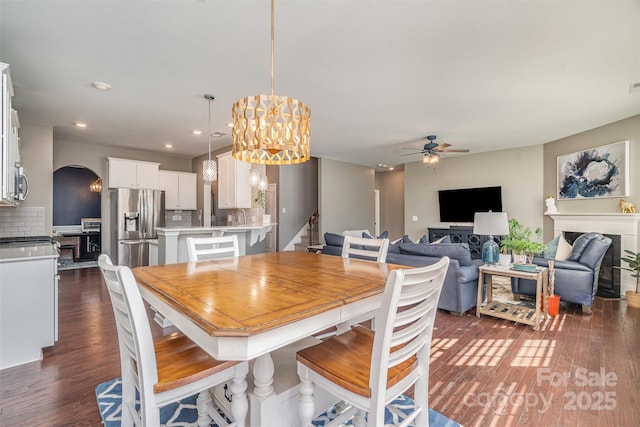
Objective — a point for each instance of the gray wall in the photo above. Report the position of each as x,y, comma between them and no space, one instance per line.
518,171
623,130
346,197
94,157
391,187
36,156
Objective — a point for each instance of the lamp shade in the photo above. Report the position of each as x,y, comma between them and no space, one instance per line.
491,224
209,170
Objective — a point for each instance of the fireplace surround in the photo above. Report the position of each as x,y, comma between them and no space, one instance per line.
627,226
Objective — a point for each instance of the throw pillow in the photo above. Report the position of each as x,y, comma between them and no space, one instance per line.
564,249
443,239
383,235
552,248
580,244
394,247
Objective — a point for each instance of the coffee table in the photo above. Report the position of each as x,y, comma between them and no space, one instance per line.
511,311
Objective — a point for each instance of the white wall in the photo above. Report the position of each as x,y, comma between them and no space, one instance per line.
518,171
346,198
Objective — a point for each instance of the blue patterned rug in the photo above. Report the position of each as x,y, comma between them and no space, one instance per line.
184,413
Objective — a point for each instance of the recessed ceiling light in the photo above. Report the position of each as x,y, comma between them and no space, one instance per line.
80,125
196,132
391,168
101,85
168,146
230,125
382,165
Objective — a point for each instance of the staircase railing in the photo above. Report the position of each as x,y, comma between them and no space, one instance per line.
313,228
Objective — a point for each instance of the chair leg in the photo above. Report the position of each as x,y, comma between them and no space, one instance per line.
360,421
239,402
128,401
421,400
587,309
306,408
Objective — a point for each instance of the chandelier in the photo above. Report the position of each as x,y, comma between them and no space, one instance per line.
271,129
96,186
209,167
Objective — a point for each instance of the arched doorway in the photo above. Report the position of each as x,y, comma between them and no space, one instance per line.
76,195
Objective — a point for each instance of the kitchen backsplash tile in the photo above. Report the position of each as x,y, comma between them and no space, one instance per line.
19,221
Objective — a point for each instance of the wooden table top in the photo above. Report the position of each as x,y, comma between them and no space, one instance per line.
252,294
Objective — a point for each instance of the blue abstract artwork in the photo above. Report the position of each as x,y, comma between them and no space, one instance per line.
598,172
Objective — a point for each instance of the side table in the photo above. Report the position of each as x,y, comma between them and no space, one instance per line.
510,311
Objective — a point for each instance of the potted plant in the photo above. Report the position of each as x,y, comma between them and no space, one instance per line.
518,241
633,260
261,200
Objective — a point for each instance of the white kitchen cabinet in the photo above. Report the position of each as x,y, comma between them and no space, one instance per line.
9,140
180,189
28,303
125,173
234,189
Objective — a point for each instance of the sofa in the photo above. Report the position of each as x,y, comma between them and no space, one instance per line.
460,288
576,278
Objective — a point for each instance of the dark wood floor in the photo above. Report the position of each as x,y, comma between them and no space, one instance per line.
578,371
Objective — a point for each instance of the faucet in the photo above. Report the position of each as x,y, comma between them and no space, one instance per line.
244,215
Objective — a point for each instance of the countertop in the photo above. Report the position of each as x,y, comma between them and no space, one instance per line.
29,251
212,228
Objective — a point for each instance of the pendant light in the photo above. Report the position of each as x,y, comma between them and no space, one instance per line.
271,129
209,167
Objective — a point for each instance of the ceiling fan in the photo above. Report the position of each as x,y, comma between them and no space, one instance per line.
431,150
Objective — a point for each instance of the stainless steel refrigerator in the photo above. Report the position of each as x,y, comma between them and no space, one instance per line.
135,216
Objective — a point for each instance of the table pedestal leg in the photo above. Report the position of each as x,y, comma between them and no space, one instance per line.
263,401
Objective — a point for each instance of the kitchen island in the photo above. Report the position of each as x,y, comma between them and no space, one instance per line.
28,302
172,242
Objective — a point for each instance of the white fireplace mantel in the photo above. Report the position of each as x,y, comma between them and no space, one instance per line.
627,226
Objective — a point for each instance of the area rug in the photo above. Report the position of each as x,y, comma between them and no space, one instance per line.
68,264
184,413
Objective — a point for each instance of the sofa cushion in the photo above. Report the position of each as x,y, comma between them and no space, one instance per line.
394,247
580,244
334,239
459,251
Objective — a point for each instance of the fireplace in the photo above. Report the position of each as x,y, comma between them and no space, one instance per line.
609,277
622,228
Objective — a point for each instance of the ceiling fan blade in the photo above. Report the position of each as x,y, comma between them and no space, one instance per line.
411,148
444,145
461,150
411,154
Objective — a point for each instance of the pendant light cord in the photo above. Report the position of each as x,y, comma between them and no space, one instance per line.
272,43
209,126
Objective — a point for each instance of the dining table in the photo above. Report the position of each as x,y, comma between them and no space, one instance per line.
247,307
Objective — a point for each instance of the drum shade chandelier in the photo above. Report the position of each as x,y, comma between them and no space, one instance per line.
209,167
271,129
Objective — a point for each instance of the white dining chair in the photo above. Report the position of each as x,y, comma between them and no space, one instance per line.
367,369
373,249
218,247
167,369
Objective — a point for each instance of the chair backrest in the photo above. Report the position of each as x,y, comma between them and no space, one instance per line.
404,324
374,249
213,247
137,353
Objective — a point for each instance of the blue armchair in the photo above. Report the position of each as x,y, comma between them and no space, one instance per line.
576,278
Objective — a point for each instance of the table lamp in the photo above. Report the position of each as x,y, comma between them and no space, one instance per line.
490,224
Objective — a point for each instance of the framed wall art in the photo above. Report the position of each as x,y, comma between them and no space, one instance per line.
598,172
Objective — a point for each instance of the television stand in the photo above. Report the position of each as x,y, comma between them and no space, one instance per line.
462,234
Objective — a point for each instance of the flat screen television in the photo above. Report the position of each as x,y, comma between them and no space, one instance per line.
460,205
